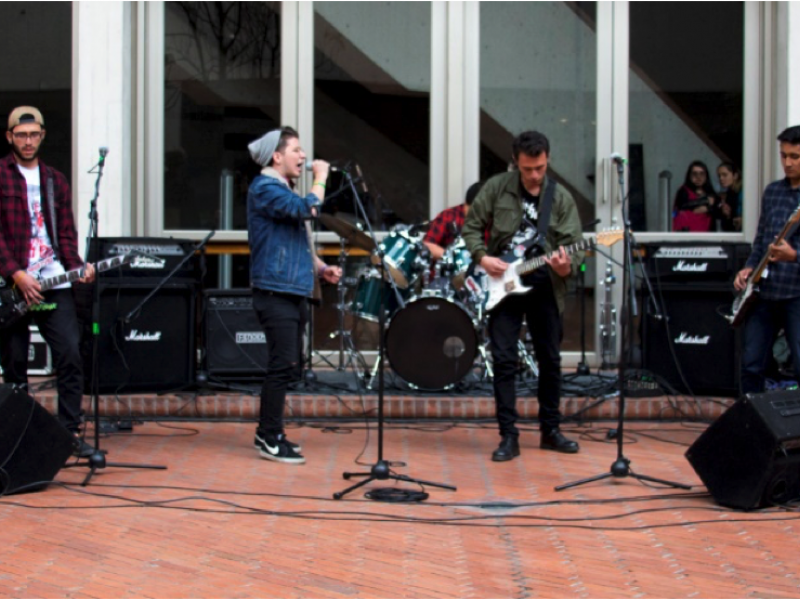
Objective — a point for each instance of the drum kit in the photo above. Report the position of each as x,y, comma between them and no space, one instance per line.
435,326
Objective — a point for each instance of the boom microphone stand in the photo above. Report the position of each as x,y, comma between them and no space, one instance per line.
621,467
381,470
97,460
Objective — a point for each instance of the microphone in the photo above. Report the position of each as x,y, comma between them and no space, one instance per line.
103,153
310,167
617,158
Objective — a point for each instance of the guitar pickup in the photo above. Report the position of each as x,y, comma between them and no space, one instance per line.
509,286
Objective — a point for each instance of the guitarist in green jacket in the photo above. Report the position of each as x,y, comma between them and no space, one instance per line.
515,207
777,303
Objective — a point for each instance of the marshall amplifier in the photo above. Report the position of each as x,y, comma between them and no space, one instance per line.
151,350
688,342
694,261
157,257
235,345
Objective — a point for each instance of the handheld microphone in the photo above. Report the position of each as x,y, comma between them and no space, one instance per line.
310,167
617,158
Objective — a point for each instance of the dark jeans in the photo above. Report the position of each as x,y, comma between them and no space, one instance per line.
59,328
544,324
283,318
763,323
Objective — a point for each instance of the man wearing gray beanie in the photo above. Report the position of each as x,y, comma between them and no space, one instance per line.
283,266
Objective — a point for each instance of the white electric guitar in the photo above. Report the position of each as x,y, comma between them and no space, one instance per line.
497,288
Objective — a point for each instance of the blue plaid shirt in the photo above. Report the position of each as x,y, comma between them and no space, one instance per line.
783,279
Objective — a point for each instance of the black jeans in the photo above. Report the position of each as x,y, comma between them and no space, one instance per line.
59,328
544,324
283,318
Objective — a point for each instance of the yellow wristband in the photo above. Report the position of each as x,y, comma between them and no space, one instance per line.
319,183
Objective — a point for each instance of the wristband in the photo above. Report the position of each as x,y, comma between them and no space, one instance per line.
320,184
17,275
321,270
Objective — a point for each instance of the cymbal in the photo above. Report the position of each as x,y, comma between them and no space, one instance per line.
350,233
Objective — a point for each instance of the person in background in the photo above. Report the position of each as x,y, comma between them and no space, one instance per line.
730,206
447,225
695,202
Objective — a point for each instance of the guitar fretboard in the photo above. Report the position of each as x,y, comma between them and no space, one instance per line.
70,276
537,261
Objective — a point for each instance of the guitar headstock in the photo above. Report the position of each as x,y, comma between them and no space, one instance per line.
609,237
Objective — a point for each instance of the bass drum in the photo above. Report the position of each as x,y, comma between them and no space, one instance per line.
432,342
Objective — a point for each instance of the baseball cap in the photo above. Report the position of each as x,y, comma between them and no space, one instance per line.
24,114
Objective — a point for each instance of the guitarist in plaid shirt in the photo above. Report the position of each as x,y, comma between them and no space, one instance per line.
778,303
38,239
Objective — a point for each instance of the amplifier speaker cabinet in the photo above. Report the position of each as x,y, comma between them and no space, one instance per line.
235,345
154,350
705,346
33,444
750,456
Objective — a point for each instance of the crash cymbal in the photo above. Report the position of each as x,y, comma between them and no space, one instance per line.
350,233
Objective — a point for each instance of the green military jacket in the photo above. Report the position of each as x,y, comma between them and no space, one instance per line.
498,206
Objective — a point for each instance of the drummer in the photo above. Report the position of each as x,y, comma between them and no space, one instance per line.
446,227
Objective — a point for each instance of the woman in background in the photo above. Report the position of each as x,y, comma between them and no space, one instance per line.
695,202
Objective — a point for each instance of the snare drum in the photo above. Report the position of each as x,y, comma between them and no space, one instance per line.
367,302
402,253
432,342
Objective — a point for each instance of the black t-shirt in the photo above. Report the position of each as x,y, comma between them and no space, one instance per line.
528,230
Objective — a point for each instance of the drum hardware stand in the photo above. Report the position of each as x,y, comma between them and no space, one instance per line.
621,467
381,470
97,460
346,344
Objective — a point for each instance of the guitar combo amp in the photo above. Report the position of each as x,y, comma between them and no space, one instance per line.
688,341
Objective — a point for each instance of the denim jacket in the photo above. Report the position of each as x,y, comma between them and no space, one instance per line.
280,254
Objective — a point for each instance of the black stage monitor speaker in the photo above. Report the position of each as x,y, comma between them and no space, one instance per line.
706,347
236,347
750,456
153,351
33,444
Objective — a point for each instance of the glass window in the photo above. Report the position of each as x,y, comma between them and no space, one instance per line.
222,90
543,77
372,106
686,107
39,74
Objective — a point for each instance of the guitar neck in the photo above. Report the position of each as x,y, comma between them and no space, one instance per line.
70,276
534,263
757,272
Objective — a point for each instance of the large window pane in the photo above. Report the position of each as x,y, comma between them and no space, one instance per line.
222,90
36,69
686,105
538,71
372,104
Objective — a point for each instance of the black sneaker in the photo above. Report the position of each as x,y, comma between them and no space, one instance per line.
259,442
81,449
275,447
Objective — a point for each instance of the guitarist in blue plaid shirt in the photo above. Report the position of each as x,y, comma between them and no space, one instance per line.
778,303
37,240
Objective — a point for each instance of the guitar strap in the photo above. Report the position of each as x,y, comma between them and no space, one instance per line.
51,208
545,209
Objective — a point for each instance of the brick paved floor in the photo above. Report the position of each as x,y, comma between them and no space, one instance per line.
220,522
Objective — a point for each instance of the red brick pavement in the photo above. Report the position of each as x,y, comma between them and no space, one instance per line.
221,522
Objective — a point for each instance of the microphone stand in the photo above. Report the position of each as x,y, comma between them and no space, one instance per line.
381,470
621,467
97,460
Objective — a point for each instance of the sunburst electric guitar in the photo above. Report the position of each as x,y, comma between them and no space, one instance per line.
496,289
746,298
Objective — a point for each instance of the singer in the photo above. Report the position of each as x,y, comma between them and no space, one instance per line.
516,206
38,239
283,267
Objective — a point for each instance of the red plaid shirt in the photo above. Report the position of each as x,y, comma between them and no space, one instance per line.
441,232
15,219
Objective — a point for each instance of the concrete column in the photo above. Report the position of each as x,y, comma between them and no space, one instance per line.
101,112
793,63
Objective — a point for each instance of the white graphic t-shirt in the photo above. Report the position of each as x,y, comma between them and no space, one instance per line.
42,261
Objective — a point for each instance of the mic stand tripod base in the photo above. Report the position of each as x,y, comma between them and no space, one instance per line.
621,468
97,460
381,471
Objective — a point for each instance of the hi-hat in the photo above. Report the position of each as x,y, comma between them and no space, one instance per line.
350,233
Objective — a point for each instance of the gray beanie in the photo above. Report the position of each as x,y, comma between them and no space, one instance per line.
264,147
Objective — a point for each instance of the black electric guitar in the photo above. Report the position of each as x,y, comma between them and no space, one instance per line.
13,307
746,298
497,288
